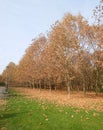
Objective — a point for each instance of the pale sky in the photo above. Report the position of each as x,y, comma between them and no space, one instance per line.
23,20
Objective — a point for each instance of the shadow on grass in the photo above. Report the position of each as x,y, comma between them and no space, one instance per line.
11,115
11,95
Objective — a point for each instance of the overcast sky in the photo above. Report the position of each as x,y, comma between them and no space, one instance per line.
23,20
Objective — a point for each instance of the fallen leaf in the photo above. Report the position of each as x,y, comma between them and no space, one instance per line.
72,116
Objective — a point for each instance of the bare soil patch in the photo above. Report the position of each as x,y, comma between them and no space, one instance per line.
78,100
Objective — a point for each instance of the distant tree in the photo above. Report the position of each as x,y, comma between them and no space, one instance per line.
9,72
29,69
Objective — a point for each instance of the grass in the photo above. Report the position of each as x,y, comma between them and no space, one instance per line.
21,113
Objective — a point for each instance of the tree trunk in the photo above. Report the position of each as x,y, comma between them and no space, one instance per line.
96,83
96,87
84,87
37,84
68,84
33,83
50,85
40,85
68,88
45,83
55,87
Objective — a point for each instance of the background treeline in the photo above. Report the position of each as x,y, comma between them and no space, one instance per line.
69,57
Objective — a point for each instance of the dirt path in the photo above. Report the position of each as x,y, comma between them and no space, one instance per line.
2,100
76,100
2,90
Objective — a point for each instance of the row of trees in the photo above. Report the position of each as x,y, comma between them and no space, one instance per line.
69,57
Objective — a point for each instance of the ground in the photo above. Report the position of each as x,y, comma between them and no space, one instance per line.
89,101
2,102
31,109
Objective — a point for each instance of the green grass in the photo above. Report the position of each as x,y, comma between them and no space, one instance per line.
27,114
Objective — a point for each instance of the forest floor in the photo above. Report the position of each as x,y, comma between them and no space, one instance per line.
89,101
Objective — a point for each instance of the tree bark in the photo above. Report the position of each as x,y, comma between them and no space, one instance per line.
40,85
50,85
68,87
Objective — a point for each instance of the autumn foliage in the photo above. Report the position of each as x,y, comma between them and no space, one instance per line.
69,57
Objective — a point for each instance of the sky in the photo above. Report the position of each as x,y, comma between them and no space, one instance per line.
23,20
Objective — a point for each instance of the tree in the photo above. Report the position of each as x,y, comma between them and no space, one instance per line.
64,40
9,73
29,67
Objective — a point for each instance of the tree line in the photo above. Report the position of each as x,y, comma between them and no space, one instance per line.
68,57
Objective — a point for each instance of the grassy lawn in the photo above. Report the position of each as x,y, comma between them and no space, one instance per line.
21,113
